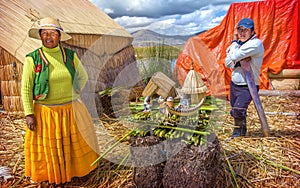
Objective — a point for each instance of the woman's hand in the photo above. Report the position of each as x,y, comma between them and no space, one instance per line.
31,121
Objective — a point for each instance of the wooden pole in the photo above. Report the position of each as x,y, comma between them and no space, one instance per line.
286,74
291,93
253,91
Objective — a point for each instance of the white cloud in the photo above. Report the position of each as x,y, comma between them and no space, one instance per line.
132,22
108,11
172,17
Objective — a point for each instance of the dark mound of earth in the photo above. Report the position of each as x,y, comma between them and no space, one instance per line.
194,166
148,161
166,163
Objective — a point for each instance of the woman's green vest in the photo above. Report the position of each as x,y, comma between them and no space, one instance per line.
41,86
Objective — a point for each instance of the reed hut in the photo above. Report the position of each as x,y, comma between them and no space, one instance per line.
194,86
161,85
104,47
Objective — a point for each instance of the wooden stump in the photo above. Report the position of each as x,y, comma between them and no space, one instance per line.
193,166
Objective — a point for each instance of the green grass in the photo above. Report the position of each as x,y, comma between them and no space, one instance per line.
160,51
155,58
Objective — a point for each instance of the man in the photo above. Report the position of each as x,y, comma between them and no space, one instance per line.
248,48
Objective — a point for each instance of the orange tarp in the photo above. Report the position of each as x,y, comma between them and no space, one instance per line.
277,24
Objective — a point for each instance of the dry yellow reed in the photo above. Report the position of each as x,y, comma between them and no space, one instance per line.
256,161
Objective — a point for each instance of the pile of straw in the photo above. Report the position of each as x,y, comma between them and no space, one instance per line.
251,161
254,160
257,161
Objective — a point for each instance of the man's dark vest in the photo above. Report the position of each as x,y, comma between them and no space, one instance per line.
41,86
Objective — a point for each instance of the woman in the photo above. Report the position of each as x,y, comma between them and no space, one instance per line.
60,141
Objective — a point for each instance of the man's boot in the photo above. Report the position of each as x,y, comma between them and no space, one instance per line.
241,129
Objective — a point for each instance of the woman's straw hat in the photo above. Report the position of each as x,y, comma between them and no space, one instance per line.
47,23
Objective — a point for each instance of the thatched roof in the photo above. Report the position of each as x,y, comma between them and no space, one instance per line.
160,84
193,85
77,17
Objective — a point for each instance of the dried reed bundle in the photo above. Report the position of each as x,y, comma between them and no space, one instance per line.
12,103
11,88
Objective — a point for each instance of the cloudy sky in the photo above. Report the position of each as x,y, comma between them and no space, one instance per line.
169,17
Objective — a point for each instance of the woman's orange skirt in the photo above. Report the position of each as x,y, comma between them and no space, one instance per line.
63,145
